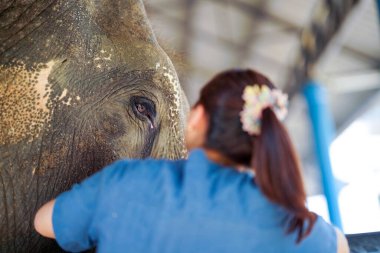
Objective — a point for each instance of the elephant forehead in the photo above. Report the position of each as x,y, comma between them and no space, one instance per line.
25,101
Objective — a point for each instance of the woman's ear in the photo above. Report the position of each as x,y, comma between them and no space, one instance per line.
196,129
198,118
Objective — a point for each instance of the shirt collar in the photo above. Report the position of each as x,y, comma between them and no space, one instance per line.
198,160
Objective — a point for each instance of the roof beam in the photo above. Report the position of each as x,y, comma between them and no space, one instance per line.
327,19
250,39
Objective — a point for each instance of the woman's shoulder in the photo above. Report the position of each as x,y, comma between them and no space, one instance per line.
321,226
135,170
322,232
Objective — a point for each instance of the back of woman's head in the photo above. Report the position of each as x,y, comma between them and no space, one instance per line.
269,153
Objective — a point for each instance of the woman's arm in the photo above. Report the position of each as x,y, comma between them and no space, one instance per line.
341,242
43,220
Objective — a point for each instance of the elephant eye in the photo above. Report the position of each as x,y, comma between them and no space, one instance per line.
140,108
144,109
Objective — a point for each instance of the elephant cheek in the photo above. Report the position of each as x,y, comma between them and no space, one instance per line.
135,143
169,144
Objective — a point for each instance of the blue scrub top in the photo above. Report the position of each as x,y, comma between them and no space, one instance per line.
184,206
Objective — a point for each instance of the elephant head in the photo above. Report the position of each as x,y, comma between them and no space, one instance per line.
82,83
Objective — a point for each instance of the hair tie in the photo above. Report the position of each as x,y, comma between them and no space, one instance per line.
256,99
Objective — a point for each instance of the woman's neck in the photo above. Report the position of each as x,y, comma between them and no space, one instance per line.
219,158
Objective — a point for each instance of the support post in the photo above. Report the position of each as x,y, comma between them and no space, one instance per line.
323,131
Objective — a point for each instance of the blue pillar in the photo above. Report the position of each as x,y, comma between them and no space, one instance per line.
323,132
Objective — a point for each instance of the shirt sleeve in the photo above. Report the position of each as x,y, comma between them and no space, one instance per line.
73,212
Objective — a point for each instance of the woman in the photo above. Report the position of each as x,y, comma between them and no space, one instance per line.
240,190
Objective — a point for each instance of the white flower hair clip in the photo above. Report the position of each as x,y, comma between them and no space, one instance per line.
256,99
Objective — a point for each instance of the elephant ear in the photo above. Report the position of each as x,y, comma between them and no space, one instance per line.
122,18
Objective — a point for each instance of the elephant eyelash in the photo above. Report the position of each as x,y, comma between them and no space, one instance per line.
144,109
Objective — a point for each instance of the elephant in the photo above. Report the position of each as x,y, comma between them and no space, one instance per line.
82,84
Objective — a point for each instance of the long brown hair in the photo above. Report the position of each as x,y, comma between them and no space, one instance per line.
271,153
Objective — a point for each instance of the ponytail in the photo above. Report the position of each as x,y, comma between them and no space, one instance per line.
277,173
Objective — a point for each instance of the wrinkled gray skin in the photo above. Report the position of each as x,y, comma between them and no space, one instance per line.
82,83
